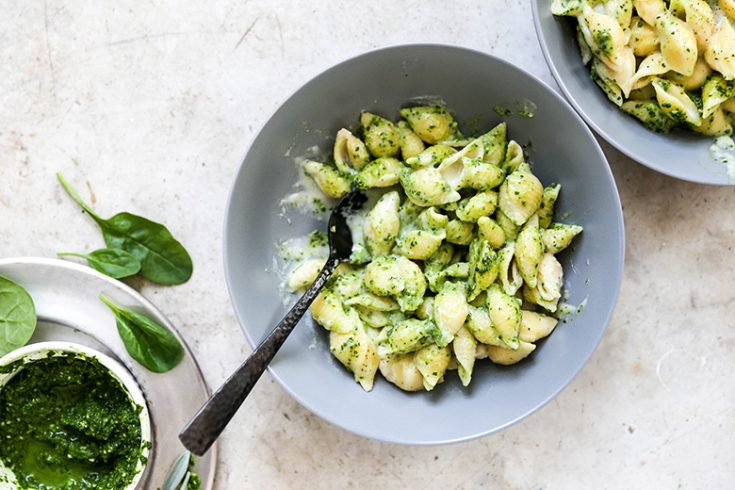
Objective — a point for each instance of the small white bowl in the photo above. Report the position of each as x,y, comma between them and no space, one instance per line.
41,350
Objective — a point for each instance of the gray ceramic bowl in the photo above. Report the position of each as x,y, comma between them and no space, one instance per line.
680,154
471,83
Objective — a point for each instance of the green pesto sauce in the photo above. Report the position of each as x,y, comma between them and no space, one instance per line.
66,423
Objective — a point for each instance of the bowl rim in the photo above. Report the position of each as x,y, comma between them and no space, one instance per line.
36,351
599,129
324,414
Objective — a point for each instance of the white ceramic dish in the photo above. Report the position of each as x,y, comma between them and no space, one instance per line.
41,350
67,302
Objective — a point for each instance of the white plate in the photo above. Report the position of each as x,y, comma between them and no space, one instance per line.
67,302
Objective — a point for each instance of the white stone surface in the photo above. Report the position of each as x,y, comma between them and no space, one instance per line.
153,104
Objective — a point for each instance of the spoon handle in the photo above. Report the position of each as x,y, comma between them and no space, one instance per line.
204,428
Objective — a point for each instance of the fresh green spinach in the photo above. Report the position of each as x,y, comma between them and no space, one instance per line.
178,473
114,262
163,259
149,343
17,316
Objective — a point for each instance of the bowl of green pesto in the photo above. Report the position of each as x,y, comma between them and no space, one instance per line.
71,418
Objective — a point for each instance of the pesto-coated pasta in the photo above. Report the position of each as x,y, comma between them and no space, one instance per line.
668,63
457,233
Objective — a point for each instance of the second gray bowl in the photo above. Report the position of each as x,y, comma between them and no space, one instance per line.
681,154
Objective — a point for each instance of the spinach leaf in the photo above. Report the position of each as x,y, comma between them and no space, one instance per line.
178,473
152,345
163,259
114,262
17,316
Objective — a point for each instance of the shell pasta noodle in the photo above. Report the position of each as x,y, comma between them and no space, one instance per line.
668,63
454,254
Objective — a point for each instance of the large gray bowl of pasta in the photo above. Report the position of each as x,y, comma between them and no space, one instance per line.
681,153
471,84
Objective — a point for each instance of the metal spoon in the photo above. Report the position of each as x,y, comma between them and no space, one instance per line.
209,422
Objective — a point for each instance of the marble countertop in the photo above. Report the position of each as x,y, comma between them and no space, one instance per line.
151,106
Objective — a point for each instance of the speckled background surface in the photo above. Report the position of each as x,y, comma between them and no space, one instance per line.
153,104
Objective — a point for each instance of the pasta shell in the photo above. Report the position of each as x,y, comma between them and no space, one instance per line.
728,105
604,36
698,15
396,276
717,124
382,224
382,172
350,153
536,326
303,275
491,231
510,277
550,278
329,312
584,49
411,335
452,167
675,102
546,208
483,267
494,142
505,315
559,236
431,123
356,351
479,324
513,156
419,244
411,144
678,43
373,318
465,350
528,251
620,10
507,357
481,204
459,232
430,156
432,362
510,229
450,311
372,302
715,91
381,137
650,114
570,8
427,187
402,372
728,8
520,195
694,81
327,178
651,66
649,10
643,37
720,52
603,77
